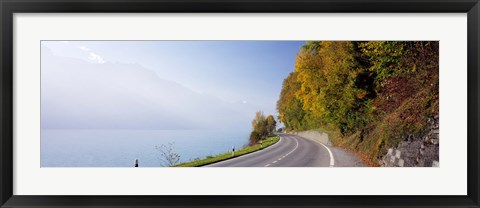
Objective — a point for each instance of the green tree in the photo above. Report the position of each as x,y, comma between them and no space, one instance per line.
382,88
385,58
259,125
271,124
262,127
289,107
328,73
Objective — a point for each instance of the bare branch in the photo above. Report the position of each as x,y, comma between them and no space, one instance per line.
168,156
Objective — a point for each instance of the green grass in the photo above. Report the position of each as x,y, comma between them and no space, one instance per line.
225,156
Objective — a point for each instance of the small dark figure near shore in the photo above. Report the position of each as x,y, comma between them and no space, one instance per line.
136,163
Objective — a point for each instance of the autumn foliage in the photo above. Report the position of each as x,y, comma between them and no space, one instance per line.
368,95
262,127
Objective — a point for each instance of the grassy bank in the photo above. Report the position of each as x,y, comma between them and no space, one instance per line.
225,156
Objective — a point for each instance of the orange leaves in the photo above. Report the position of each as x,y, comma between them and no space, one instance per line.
361,94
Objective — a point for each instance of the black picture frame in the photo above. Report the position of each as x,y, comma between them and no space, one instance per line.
9,7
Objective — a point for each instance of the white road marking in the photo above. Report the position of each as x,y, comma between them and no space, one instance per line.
332,160
246,155
296,146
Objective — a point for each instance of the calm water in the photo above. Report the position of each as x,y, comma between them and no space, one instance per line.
119,148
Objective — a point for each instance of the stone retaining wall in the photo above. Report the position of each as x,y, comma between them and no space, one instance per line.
415,152
314,135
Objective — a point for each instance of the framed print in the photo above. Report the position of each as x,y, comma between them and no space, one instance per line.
239,103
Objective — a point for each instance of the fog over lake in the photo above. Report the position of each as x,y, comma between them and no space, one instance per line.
106,103
77,94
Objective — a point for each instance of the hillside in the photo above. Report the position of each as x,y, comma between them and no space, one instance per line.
378,99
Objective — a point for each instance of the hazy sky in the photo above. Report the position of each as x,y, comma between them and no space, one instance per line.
161,84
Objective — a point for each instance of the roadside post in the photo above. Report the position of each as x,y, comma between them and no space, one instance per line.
136,163
233,151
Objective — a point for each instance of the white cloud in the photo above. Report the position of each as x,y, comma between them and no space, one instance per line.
96,58
84,48
92,56
73,50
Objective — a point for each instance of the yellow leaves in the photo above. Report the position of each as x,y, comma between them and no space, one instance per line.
325,72
310,67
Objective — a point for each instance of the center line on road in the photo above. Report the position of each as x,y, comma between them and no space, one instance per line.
296,146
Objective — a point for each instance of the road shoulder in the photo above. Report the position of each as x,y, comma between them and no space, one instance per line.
342,158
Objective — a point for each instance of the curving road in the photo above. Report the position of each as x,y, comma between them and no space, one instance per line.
294,151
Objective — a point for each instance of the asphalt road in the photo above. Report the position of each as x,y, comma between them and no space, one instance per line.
294,151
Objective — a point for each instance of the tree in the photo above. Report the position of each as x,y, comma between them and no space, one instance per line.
357,88
259,124
254,138
309,73
333,84
271,124
167,155
262,127
289,107
385,58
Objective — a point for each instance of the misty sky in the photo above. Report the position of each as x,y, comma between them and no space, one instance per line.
161,84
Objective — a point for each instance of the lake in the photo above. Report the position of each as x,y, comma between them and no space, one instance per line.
120,148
